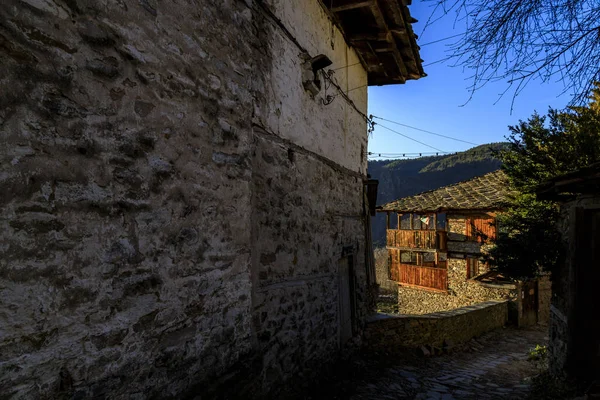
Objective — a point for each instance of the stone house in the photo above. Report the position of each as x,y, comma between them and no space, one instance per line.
574,346
435,243
183,191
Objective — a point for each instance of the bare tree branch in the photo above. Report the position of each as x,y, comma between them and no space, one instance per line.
517,41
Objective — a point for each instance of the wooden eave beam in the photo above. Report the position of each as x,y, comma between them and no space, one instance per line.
352,6
377,69
396,14
405,35
384,50
414,47
392,20
380,20
370,37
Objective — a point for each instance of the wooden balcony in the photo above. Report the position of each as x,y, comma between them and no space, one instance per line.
431,278
417,239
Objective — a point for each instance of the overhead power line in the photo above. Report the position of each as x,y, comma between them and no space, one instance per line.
419,154
409,138
426,131
375,157
400,157
441,40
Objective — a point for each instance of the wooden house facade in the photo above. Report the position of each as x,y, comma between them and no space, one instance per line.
435,243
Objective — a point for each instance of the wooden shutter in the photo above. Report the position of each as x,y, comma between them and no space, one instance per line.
481,229
472,268
393,265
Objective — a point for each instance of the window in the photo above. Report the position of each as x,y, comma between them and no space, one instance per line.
417,221
422,259
405,221
476,267
472,268
441,222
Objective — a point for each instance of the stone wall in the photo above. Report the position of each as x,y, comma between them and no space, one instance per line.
544,299
461,292
557,345
174,204
438,331
457,230
386,286
297,248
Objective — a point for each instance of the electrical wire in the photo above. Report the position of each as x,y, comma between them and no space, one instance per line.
418,154
332,82
426,131
436,62
408,137
369,119
376,156
441,40
346,66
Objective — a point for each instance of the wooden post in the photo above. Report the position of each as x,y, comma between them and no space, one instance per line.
387,220
411,220
399,220
435,221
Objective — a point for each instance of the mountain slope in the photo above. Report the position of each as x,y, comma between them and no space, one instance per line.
400,178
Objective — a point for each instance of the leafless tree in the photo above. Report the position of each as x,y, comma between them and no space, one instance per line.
517,41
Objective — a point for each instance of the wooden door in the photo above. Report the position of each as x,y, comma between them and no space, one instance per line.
529,302
586,313
346,300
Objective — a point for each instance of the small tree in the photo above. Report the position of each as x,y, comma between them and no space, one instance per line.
541,148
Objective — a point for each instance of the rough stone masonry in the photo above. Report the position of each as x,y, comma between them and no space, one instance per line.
174,205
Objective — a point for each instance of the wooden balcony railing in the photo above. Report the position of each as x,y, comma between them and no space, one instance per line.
417,239
424,277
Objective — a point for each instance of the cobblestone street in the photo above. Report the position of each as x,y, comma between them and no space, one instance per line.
493,366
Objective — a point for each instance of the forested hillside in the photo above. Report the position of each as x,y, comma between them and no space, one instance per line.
400,178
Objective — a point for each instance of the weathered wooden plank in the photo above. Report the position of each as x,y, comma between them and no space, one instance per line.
369,37
417,239
434,278
352,6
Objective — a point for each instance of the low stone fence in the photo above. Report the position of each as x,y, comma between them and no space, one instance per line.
441,330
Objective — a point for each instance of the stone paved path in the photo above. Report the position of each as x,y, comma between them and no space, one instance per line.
493,366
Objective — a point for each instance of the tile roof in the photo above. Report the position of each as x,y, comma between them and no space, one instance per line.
565,187
486,192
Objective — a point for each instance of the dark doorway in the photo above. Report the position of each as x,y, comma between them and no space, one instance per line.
529,301
585,327
346,299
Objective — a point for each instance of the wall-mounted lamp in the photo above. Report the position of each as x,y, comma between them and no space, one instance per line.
310,73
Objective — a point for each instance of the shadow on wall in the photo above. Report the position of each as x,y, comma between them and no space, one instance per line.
386,286
387,299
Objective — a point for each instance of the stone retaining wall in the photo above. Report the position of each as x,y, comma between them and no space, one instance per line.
544,299
557,346
386,285
440,330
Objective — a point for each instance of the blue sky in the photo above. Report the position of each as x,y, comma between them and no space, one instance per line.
437,102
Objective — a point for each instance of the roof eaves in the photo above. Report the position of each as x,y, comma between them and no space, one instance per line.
387,46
